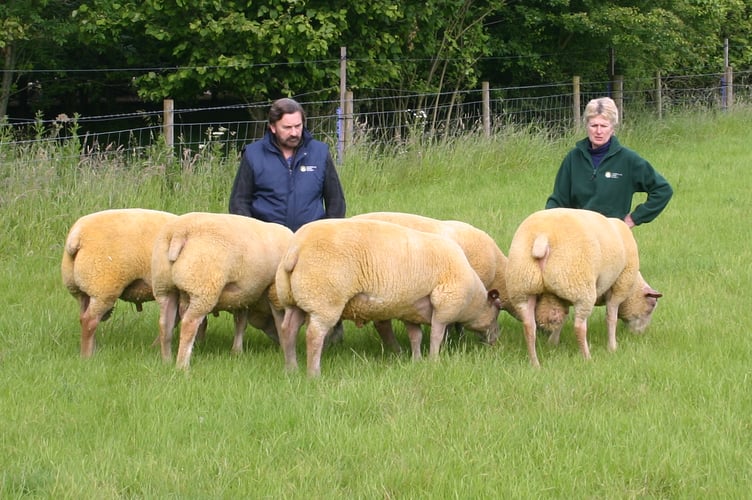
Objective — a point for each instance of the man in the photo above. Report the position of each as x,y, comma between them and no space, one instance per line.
287,177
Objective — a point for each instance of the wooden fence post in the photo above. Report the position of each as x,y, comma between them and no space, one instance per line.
486,109
619,95
342,140
576,101
348,129
658,94
168,122
728,88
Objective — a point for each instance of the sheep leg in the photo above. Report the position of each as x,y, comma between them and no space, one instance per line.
528,322
415,334
293,319
580,329
612,311
88,329
201,333
241,321
385,331
178,314
315,335
278,317
168,318
553,339
438,330
90,315
188,330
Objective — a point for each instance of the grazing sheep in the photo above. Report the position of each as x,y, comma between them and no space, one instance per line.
206,262
369,270
107,256
482,252
577,256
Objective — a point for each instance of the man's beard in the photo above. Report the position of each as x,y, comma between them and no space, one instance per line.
290,142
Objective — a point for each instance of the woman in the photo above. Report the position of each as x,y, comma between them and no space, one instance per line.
601,175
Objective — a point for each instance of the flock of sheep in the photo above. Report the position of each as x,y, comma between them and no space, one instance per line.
374,267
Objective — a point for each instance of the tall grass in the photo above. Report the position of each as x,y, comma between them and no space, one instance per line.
666,416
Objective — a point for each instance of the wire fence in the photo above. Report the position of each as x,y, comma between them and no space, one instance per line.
378,117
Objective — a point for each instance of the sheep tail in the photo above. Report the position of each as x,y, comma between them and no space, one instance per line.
73,242
176,245
282,279
290,259
541,249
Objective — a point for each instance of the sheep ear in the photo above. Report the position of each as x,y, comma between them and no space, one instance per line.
649,292
493,298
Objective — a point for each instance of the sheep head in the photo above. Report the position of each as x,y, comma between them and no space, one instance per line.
491,334
637,310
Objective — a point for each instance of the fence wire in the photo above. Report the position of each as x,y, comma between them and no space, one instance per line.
380,117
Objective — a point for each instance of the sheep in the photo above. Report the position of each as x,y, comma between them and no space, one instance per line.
482,252
208,262
578,256
369,270
106,256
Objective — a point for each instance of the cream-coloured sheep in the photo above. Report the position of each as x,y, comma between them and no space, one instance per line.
369,270
107,256
578,256
209,262
482,252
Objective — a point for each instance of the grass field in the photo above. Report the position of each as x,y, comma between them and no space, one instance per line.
668,415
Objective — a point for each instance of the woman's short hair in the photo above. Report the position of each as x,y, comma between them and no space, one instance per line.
604,106
285,106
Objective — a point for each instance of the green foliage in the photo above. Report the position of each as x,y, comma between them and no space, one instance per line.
219,46
665,416
551,41
256,51
31,31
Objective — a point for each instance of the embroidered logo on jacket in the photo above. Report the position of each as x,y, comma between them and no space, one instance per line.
308,168
613,175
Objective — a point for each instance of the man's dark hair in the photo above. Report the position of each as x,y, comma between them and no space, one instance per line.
285,106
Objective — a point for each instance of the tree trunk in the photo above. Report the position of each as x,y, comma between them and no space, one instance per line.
7,80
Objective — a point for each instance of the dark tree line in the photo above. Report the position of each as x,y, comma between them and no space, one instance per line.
89,54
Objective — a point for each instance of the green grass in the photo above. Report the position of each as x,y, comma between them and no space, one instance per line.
665,416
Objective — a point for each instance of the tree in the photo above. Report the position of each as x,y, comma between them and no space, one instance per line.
281,48
264,49
551,40
190,47
33,34
16,29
